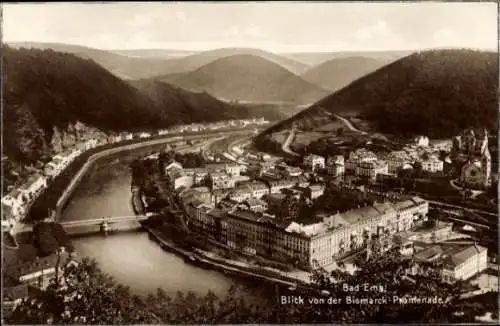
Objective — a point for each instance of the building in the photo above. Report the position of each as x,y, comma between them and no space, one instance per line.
34,186
307,246
336,169
218,195
463,263
256,205
432,165
396,161
221,180
38,272
314,162
258,188
421,141
315,190
460,262
359,156
275,186
471,152
371,169
15,199
336,159
241,193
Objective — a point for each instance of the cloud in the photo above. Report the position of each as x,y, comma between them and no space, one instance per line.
377,31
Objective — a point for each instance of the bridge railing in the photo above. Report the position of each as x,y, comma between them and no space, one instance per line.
116,219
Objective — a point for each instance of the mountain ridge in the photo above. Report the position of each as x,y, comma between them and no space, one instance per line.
248,78
46,89
435,92
339,72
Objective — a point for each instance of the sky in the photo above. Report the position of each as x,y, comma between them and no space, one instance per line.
272,26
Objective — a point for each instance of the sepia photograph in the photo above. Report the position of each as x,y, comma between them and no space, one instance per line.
176,163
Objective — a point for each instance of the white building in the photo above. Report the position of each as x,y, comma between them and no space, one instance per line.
459,262
465,263
15,200
422,141
144,135
91,143
433,164
371,169
35,185
314,162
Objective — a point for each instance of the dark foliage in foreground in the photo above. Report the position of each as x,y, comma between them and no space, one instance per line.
91,297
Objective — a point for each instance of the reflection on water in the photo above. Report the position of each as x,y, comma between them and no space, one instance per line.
131,257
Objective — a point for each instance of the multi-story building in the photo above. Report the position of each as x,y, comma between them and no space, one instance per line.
221,180
258,188
307,246
314,162
459,262
241,193
396,161
359,156
433,165
371,169
275,186
336,169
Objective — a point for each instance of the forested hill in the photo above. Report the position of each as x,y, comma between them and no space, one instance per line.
437,93
44,89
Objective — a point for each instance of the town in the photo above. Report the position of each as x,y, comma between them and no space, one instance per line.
324,212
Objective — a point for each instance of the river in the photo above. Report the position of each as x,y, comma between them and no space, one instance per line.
131,257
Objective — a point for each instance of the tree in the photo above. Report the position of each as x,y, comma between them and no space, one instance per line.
85,295
45,240
340,132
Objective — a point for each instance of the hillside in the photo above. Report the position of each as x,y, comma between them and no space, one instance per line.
249,78
122,66
337,73
44,89
437,93
316,58
192,62
141,64
154,53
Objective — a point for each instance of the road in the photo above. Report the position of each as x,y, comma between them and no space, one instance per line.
288,142
349,125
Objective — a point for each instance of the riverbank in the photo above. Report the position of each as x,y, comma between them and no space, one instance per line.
57,195
228,266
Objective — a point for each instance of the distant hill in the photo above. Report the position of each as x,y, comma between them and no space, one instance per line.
316,58
192,62
44,89
337,73
150,63
248,78
436,93
154,53
121,66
